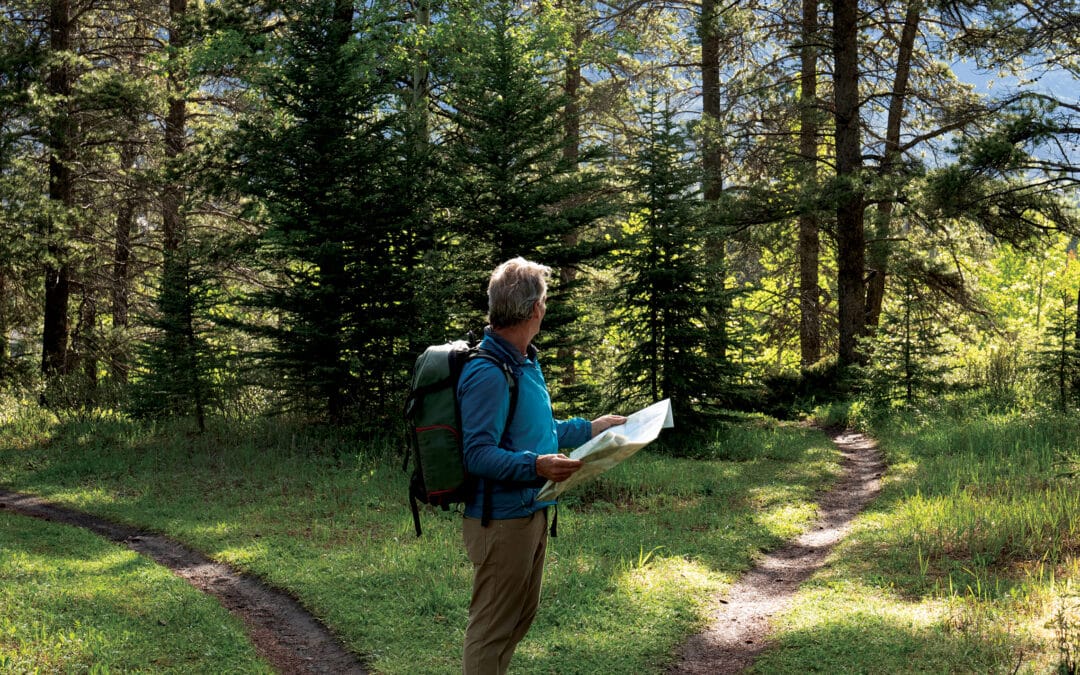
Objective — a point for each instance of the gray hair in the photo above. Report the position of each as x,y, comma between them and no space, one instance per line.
515,286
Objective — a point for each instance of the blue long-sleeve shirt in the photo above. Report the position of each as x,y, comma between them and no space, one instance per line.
508,457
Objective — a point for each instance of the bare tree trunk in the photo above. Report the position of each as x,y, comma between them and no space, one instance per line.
712,164
850,236
571,152
62,132
809,237
879,249
121,291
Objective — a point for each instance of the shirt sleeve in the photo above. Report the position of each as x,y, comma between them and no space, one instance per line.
484,397
573,432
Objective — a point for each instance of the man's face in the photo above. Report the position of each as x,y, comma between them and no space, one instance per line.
537,317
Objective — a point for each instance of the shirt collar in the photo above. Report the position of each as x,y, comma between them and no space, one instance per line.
503,345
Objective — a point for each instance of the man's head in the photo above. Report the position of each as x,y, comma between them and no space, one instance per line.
515,288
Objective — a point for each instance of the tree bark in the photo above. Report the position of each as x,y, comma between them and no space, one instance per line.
61,141
712,165
176,271
4,346
571,153
121,291
809,237
879,249
172,218
850,235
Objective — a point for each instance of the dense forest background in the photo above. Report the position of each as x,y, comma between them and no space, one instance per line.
229,208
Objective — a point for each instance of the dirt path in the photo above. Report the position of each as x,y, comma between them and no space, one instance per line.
739,627
283,632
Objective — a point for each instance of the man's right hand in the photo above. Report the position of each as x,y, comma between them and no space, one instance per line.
556,467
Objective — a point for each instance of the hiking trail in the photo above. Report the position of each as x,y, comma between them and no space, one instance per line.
739,621
283,632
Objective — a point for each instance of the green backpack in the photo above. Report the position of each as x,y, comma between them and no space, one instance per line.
434,419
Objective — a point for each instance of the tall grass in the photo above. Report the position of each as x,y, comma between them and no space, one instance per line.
990,488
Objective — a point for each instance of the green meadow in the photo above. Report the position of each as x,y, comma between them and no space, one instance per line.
967,562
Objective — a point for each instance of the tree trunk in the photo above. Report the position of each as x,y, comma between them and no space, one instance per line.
418,87
62,132
879,249
176,272
83,340
1076,340
4,346
809,237
1063,356
120,295
571,153
850,237
712,164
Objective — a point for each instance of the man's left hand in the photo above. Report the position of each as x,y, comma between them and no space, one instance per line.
601,424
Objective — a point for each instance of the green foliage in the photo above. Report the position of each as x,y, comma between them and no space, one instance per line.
904,355
178,361
320,158
1058,360
667,282
514,187
987,183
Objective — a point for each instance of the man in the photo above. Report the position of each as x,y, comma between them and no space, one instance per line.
511,464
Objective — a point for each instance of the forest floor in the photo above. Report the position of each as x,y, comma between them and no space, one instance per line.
739,624
283,632
293,641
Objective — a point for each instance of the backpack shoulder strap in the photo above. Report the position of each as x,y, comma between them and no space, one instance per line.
511,381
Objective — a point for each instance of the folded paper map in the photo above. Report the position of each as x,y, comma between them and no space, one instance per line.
613,446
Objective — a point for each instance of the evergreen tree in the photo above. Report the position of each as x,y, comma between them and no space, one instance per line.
1058,359
21,190
178,363
320,158
667,281
515,191
905,352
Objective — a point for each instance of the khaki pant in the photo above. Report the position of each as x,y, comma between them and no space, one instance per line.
508,566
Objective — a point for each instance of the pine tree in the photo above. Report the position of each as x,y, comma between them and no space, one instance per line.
320,159
905,352
667,280
1058,359
515,191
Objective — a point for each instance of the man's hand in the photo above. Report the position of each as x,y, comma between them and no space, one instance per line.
556,467
601,424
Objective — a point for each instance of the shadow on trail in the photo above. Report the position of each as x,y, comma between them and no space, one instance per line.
739,627
283,632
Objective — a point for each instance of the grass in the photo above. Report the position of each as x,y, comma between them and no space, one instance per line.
72,602
323,514
967,562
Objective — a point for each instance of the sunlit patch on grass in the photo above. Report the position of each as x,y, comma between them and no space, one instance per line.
75,603
638,553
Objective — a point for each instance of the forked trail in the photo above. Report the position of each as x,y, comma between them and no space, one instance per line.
739,625
294,641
